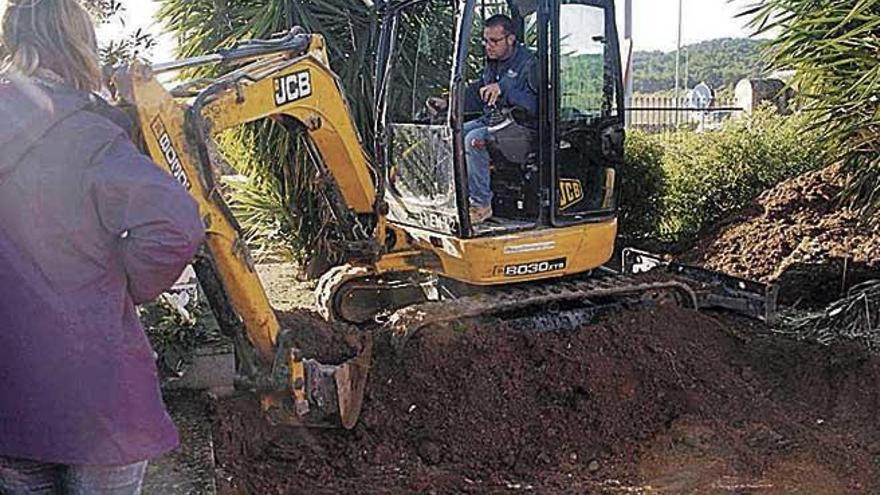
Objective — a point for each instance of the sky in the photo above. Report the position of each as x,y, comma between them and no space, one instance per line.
654,23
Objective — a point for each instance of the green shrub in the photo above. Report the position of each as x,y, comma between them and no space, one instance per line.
643,186
176,324
712,175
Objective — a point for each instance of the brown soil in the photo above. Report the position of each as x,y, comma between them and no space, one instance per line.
797,235
665,401
328,343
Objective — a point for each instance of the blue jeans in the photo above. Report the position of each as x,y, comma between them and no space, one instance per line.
25,477
476,133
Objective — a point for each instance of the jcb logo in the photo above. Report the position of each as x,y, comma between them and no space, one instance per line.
570,192
169,152
292,87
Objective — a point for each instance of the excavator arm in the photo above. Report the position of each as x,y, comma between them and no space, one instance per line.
289,80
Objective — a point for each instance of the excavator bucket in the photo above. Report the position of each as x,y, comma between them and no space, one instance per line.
351,382
308,393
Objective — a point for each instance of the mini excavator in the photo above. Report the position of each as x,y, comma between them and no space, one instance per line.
414,257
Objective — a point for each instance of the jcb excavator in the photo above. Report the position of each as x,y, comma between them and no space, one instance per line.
414,255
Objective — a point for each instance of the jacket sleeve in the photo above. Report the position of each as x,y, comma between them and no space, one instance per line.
149,214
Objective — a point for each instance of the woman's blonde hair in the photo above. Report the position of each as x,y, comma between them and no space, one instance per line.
55,35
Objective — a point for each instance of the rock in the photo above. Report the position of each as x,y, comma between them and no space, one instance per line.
593,466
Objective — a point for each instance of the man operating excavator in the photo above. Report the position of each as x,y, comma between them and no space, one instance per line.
414,260
508,82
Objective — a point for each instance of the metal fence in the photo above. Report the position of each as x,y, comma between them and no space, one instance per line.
665,113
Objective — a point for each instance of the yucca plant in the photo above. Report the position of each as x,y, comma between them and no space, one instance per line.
280,200
349,26
833,46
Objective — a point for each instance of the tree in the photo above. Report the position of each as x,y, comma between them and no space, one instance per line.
280,203
832,45
720,63
115,52
104,9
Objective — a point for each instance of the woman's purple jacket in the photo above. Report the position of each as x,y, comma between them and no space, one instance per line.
89,227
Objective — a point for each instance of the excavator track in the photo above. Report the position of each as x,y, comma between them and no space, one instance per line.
327,290
558,305
355,295
404,303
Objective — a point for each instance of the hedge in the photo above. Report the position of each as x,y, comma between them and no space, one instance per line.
705,177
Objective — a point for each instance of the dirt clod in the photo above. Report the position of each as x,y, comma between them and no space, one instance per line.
327,343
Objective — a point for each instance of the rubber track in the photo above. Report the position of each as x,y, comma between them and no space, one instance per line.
329,283
406,321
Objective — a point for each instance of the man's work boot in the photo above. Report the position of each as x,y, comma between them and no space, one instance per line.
480,214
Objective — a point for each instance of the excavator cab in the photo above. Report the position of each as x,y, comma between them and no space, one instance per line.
556,169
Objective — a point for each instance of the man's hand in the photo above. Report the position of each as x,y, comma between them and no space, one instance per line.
490,93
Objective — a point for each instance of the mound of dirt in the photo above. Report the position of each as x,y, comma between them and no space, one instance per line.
671,399
328,343
797,235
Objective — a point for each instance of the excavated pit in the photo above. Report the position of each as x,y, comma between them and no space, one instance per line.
658,401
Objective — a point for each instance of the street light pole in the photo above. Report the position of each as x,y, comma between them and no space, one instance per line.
628,36
678,61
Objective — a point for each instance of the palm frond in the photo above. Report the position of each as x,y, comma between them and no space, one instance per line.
279,203
832,45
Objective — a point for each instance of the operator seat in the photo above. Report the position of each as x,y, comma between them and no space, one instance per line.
515,179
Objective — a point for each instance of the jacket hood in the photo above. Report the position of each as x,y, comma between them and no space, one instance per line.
28,109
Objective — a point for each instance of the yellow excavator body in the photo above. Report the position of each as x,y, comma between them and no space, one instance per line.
254,92
443,268
505,259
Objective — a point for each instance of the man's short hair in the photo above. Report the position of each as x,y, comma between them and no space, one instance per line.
503,21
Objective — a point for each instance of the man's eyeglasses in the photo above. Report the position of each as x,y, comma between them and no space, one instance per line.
493,41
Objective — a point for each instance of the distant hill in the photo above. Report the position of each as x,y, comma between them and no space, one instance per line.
721,63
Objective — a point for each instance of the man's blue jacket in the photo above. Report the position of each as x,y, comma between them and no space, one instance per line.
516,75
